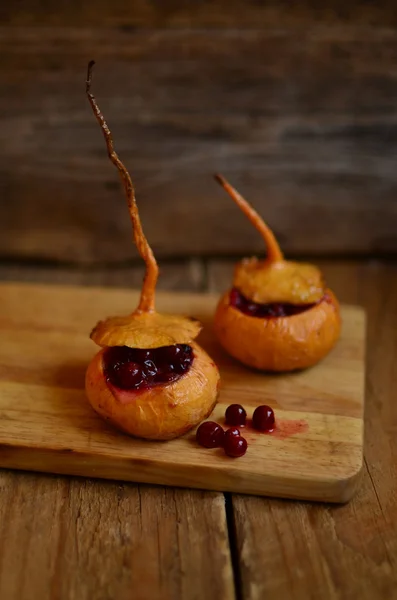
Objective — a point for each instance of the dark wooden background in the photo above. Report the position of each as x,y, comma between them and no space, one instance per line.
296,104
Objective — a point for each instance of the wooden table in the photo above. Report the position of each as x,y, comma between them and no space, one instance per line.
66,538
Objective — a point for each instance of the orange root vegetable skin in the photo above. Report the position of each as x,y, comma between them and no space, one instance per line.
157,413
282,343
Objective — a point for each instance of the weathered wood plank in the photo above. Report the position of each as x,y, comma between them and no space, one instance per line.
187,275
200,13
70,539
350,551
301,118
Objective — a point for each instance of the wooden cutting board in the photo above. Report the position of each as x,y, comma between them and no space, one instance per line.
47,424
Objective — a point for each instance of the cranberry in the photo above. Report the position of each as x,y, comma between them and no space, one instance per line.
263,418
176,358
235,415
232,432
140,355
172,354
150,368
210,435
181,367
166,374
184,361
128,375
235,446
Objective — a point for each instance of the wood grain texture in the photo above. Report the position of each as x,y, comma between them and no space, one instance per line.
81,539
200,13
299,113
68,539
48,425
349,552
183,275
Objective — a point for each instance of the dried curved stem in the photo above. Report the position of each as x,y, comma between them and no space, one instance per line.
274,253
147,300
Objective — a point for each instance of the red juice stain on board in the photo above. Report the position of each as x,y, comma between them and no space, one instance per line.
286,427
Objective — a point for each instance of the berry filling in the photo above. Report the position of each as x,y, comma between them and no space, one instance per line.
266,311
137,369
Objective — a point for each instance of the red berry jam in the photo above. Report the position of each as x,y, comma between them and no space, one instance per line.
265,311
235,415
210,435
137,369
235,446
263,419
128,374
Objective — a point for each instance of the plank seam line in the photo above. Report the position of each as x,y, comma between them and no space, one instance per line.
234,554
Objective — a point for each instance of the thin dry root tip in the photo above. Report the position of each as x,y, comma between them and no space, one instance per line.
146,303
225,184
89,75
219,179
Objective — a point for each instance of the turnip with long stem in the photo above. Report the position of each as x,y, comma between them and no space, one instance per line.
279,315
150,378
